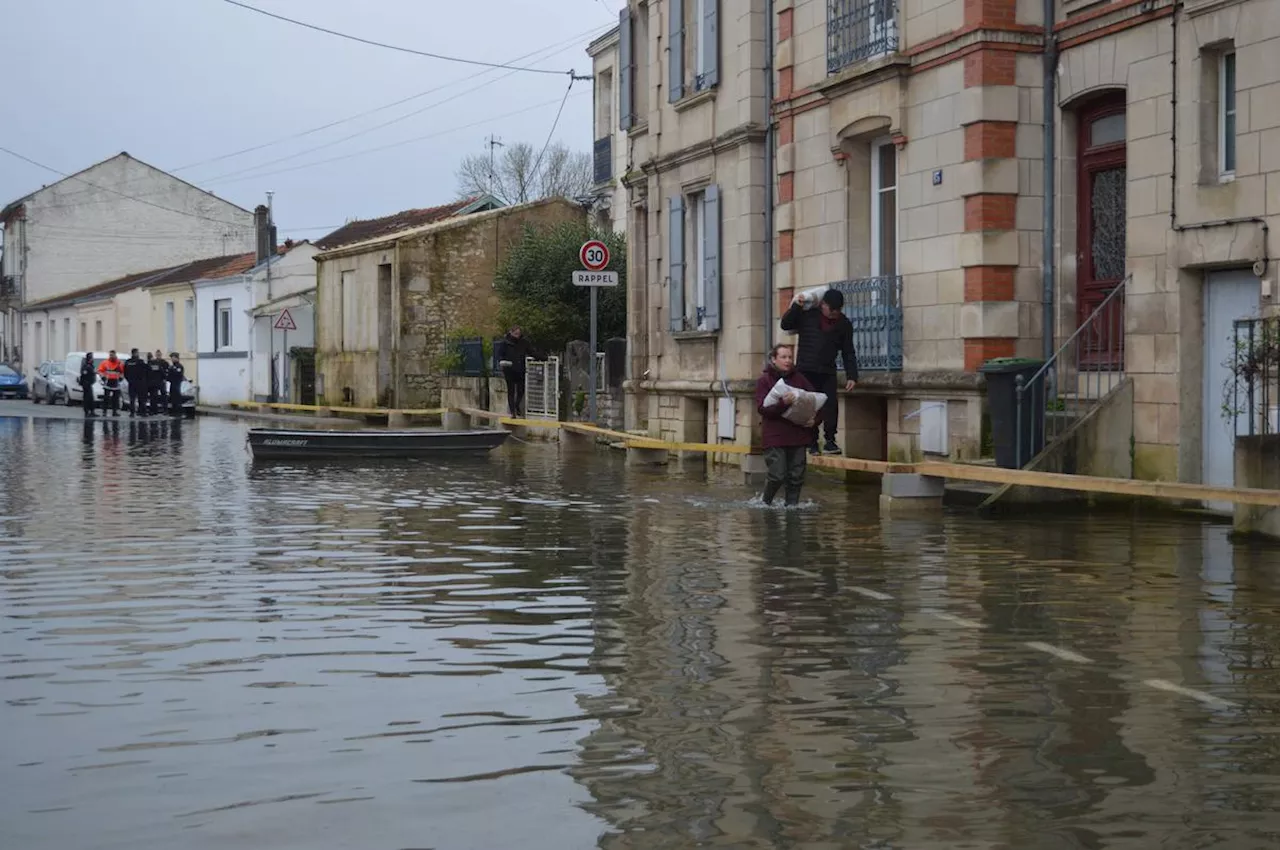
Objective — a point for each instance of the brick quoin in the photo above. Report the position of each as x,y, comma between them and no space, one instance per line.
786,188
986,13
785,24
979,351
990,140
784,300
988,283
990,68
786,130
786,245
786,82
990,212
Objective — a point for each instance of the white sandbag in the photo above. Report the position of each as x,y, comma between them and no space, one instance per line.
803,409
809,298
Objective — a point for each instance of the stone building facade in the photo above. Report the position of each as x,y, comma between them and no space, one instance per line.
910,156
386,306
694,112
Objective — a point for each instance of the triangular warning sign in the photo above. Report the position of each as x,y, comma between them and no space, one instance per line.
285,322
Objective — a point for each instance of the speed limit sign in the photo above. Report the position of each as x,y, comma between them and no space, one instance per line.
594,255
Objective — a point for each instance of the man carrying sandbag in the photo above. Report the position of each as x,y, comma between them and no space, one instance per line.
824,333
785,440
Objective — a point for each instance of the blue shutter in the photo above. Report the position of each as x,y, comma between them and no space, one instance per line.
675,264
626,111
709,73
675,50
711,257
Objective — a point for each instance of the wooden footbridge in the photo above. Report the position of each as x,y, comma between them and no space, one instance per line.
1167,490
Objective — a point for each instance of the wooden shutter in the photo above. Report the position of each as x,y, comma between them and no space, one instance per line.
675,50
626,109
675,263
711,253
709,73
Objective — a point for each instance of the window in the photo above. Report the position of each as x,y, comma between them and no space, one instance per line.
83,339
694,283
97,335
603,151
66,335
858,30
189,326
170,332
221,324
884,208
1227,114
37,346
694,47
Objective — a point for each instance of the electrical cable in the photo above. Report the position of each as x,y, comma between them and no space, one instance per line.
533,172
372,43
380,148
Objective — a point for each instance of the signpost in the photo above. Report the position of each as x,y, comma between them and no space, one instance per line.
285,323
594,257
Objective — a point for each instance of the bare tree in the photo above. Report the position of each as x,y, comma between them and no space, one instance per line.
517,175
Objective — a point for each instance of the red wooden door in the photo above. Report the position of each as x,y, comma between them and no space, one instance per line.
1100,262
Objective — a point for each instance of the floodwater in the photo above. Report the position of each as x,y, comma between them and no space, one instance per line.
198,652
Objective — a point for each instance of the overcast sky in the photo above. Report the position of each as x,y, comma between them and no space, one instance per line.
179,82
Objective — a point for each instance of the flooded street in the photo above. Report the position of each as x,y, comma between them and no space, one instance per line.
199,652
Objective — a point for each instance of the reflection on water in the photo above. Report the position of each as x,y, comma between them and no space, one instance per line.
200,652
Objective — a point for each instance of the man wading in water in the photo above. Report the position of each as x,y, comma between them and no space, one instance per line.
824,333
784,441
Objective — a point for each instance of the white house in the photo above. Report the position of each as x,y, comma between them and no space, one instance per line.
115,218
236,348
618,78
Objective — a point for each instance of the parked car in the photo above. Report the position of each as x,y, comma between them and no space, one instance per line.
75,395
50,383
12,385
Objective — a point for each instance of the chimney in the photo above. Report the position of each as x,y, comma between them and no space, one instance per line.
262,230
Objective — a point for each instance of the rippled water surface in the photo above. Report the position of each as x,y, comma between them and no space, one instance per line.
197,652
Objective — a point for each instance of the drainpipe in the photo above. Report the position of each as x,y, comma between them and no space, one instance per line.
1050,90
770,176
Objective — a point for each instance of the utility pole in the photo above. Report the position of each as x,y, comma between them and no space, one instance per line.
273,380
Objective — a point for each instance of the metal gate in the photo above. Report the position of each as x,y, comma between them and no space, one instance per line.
542,388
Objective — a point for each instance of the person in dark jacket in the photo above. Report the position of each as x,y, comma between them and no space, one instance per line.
88,374
156,369
823,334
517,349
135,372
175,374
784,441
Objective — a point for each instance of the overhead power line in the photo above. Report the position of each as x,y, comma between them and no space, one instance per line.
557,47
400,143
533,172
372,43
121,194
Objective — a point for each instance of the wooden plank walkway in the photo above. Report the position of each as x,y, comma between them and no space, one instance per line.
1170,490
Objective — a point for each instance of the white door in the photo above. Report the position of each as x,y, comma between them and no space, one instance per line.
1228,296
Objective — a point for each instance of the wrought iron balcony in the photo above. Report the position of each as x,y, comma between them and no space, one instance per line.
874,307
604,159
859,30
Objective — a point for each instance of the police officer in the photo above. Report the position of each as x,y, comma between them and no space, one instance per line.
176,375
135,372
87,376
156,370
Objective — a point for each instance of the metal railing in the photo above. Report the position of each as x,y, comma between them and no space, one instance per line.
859,30
874,308
542,388
603,155
1251,395
1084,369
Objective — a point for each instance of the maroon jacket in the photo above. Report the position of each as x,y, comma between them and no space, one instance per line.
778,432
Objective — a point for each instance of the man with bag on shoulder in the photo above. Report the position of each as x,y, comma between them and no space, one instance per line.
784,441
823,334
